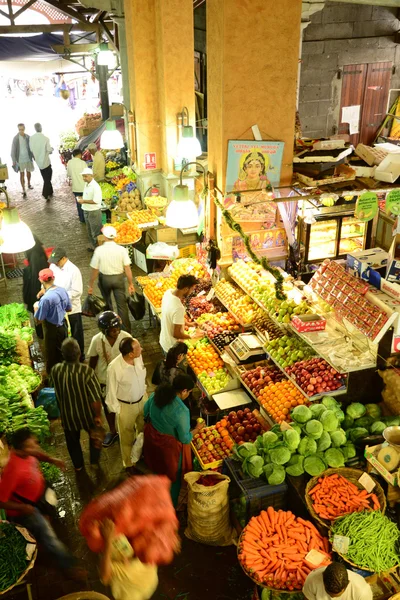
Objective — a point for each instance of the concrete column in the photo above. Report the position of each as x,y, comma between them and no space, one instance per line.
252,51
123,58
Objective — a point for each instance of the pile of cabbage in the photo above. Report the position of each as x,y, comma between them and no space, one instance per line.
315,441
362,421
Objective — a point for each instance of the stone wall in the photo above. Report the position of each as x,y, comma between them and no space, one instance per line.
338,35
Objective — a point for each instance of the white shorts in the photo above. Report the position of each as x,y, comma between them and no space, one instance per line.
26,166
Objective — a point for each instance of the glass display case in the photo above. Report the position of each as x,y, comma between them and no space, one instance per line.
332,236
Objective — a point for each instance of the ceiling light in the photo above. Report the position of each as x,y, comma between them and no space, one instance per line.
105,56
15,236
111,138
182,213
188,146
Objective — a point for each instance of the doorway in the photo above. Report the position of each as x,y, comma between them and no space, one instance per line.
365,86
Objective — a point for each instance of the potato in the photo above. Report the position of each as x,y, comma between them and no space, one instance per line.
137,202
125,195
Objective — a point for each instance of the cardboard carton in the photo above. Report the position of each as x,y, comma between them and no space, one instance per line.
371,453
361,262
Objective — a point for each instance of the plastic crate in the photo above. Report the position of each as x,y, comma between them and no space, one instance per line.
250,496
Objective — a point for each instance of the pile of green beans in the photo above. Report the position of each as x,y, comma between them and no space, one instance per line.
12,555
374,540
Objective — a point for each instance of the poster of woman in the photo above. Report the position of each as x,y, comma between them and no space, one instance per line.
253,165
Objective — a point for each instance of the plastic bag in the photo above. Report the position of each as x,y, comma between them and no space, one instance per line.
137,306
137,448
47,399
93,305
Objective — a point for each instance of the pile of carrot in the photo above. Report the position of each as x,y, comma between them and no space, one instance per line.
335,496
273,549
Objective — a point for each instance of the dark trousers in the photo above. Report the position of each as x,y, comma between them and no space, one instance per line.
79,207
53,338
47,174
75,451
75,321
115,284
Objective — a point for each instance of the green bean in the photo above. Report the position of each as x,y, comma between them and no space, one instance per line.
12,555
374,540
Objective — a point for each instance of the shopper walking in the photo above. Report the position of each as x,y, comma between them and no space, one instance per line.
41,150
37,260
103,348
75,167
99,163
91,205
21,157
173,313
79,399
111,263
336,581
126,387
22,486
68,276
51,310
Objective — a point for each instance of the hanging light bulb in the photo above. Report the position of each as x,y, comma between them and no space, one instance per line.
15,235
111,138
181,212
105,56
188,146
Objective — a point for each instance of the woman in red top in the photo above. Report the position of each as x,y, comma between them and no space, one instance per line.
22,485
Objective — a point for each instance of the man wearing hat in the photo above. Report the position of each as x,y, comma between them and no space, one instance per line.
68,276
111,263
91,205
99,163
50,311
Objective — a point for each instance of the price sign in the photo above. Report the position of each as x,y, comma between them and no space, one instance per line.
190,268
393,202
202,293
367,482
285,426
366,206
341,543
159,284
210,294
315,557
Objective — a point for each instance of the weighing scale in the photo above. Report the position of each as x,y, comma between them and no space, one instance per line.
247,346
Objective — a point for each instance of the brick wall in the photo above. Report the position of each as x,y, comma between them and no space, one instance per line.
341,34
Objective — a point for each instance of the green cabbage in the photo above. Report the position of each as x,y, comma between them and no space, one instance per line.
313,465
373,410
324,442
317,410
314,429
338,438
356,410
348,422
277,476
253,466
329,420
391,421
339,414
269,438
296,428
301,414
292,439
378,427
334,457
267,470
246,450
280,455
348,450
321,455
365,421
295,465
357,433
330,403
307,446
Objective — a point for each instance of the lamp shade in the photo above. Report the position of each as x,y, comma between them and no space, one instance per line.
182,212
105,56
15,236
188,146
111,138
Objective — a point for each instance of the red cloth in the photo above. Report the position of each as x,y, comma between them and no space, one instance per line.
162,453
24,477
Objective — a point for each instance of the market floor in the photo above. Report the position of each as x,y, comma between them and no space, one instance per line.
199,571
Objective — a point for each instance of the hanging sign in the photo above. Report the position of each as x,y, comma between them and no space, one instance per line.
393,202
366,206
150,161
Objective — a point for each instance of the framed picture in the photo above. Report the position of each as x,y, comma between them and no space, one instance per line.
253,165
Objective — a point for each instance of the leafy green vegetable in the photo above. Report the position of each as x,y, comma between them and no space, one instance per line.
339,414
348,422
301,414
378,427
338,438
280,455
334,457
348,450
295,465
269,439
357,433
329,420
307,446
292,439
317,410
253,465
51,473
364,421
313,465
356,410
324,442
373,410
330,403
246,450
277,476
314,429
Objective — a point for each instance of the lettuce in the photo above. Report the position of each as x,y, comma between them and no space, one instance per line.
280,455
301,414
313,465
314,429
329,420
334,457
292,439
356,410
277,476
307,446
253,466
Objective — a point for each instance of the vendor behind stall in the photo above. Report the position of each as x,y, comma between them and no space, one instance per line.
173,313
99,163
335,581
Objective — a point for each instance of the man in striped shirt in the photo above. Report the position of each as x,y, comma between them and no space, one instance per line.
79,399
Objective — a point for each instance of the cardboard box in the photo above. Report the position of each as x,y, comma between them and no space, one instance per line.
370,454
389,169
116,110
361,262
3,172
308,323
372,156
167,234
140,260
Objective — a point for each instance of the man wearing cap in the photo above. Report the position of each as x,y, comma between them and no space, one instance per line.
99,163
50,311
68,276
91,205
111,263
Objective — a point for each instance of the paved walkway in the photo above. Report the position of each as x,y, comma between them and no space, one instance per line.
199,572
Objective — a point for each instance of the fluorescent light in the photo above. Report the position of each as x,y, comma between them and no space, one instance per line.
15,236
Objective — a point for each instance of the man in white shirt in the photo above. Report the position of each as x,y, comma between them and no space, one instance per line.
22,156
103,348
173,313
91,204
335,581
68,276
126,387
99,163
41,150
111,263
74,171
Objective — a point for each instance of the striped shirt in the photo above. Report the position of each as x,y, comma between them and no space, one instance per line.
77,388
110,259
